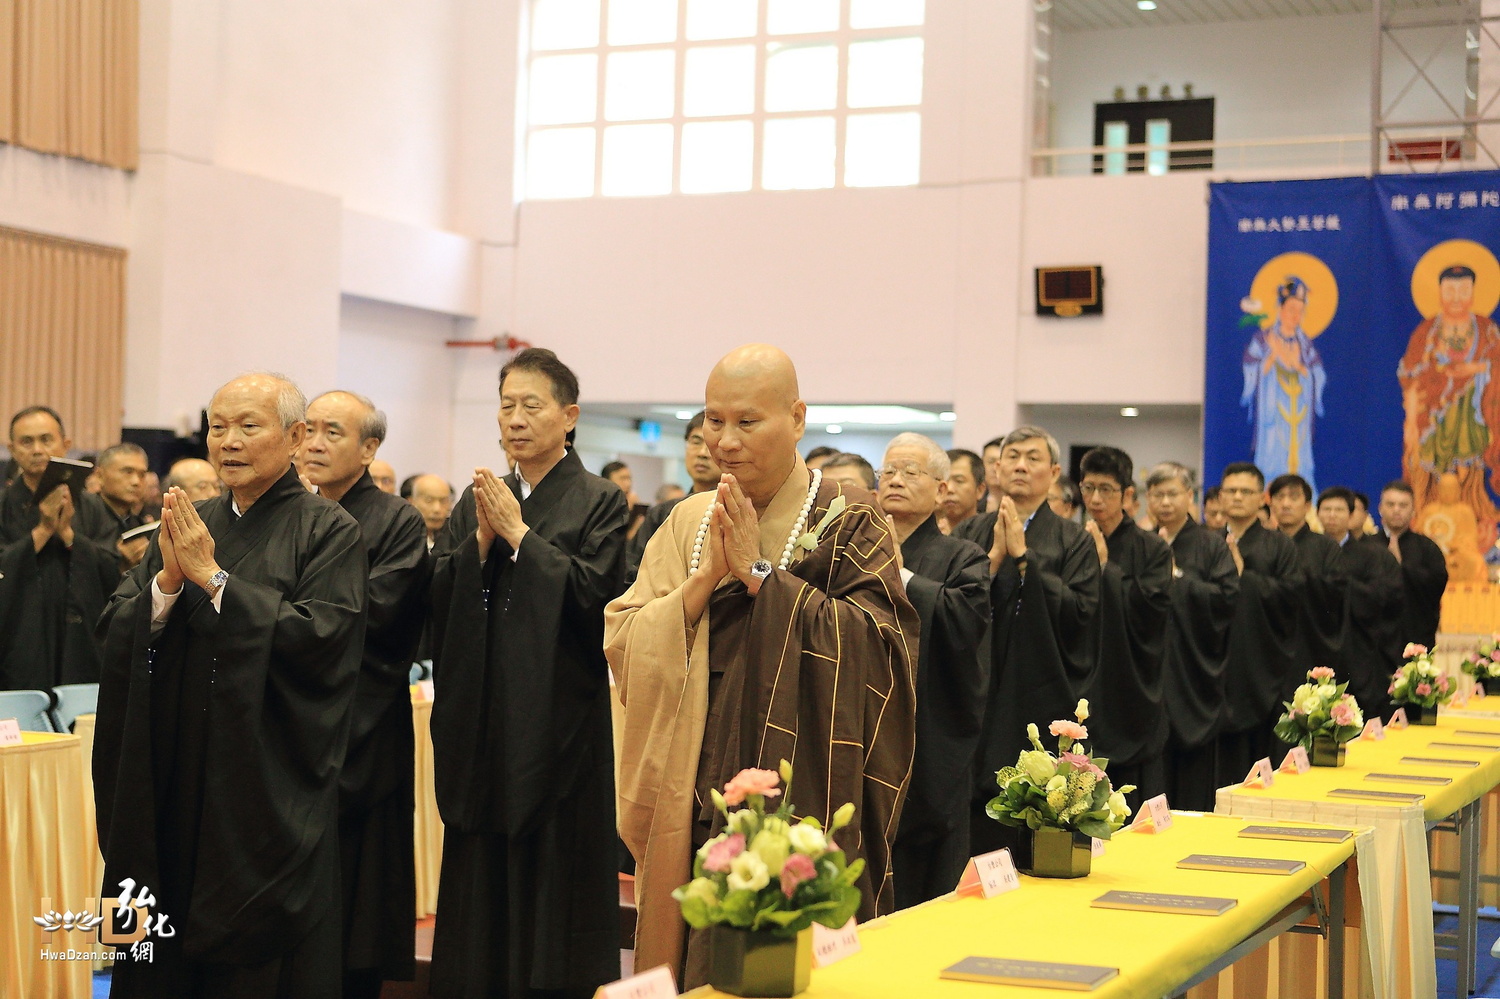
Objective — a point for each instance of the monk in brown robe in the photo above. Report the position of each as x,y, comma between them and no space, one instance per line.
768,622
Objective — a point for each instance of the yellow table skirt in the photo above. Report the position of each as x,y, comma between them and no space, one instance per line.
1051,920
427,825
42,857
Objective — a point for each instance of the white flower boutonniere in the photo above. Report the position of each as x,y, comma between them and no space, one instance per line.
810,540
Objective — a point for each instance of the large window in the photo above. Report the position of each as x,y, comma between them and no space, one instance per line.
644,97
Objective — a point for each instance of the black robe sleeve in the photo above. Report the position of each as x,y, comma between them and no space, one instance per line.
1424,574
1321,618
1371,627
950,590
636,548
1264,638
1204,594
1135,603
49,602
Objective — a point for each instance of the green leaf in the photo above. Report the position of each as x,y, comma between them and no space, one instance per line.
738,908
1096,827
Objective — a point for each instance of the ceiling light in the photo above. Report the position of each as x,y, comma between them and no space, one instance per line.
684,415
1146,4
1129,411
948,417
834,428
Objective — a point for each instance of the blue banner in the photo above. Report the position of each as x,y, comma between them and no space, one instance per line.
1349,340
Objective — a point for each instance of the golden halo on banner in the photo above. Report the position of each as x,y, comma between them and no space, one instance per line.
1475,256
1322,289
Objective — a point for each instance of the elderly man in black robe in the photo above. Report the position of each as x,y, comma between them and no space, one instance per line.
1129,721
376,793
1205,587
1264,638
1424,570
231,658
1044,599
1370,641
521,721
54,577
1325,581
947,581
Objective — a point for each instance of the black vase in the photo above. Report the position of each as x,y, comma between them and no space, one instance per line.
743,963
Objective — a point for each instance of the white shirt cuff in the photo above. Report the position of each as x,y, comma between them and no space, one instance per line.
906,575
162,603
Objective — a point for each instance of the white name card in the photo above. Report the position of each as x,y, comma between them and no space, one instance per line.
1097,847
1296,761
1260,775
989,874
424,687
1398,719
1155,816
1374,731
829,946
654,984
10,732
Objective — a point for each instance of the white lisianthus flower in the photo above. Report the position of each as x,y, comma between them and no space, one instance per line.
1039,766
703,888
1058,781
842,816
1117,806
748,871
805,839
773,848
1326,691
1032,733
1082,711
1311,705
1302,693
775,826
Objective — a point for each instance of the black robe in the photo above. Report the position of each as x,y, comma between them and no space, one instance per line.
949,588
1128,725
523,746
49,599
1372,640
376,796
1205,590
1320,616
1041,652
1263,648
1424,577
219,744
635,548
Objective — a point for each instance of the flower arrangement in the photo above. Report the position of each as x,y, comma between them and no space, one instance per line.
1066,791
1419,681
765,871
1320,708
1483,662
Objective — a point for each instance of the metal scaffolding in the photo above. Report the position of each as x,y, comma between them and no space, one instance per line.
1471,130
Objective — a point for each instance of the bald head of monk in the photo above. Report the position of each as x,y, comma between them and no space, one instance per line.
255,424
753,418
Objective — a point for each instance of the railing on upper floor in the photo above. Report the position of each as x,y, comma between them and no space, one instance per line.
1320,152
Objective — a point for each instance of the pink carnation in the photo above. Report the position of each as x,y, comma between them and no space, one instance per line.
1413,649
797,869
751,781
1082,763
1321,673
1343,714
1423,689
1443,683
722,852
1072,730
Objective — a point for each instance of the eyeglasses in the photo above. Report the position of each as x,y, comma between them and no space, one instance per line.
907,472
1105,489
1238,491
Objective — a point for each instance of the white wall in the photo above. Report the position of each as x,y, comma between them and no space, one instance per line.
1158,434
1271,77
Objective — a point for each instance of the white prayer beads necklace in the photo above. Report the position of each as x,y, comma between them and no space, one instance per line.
791,541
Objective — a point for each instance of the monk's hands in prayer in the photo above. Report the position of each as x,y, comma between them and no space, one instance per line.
192,543
1010,534
1395,546
169,578
1234,552
739,531
498,506
55,519
1099,544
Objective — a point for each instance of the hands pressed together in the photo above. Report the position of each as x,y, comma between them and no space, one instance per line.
1009,539
187,548
56,519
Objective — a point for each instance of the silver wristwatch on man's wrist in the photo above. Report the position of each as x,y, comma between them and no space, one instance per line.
760,569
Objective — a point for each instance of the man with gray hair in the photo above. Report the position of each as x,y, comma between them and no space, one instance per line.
195,477
376,793
1205,587
947,581
1044,598
231,657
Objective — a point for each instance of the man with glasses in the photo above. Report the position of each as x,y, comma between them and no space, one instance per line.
1205,587
1044,595
1135,604
1264,637
704,475
947,580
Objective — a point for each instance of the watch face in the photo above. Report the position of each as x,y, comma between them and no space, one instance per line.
761,568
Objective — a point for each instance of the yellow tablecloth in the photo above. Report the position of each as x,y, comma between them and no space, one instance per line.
93,868
1471,607
428,825
1399,905
42,857
1049,920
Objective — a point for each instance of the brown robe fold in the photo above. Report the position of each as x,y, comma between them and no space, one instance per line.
817,668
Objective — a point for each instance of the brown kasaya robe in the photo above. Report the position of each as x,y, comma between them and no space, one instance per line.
818,668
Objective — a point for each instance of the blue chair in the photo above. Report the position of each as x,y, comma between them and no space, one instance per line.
30,708
421,671
73,699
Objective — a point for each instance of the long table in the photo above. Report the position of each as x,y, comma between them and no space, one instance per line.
1398,905
1158,954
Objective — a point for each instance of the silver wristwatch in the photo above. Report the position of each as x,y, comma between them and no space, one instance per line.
760,568
216,582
